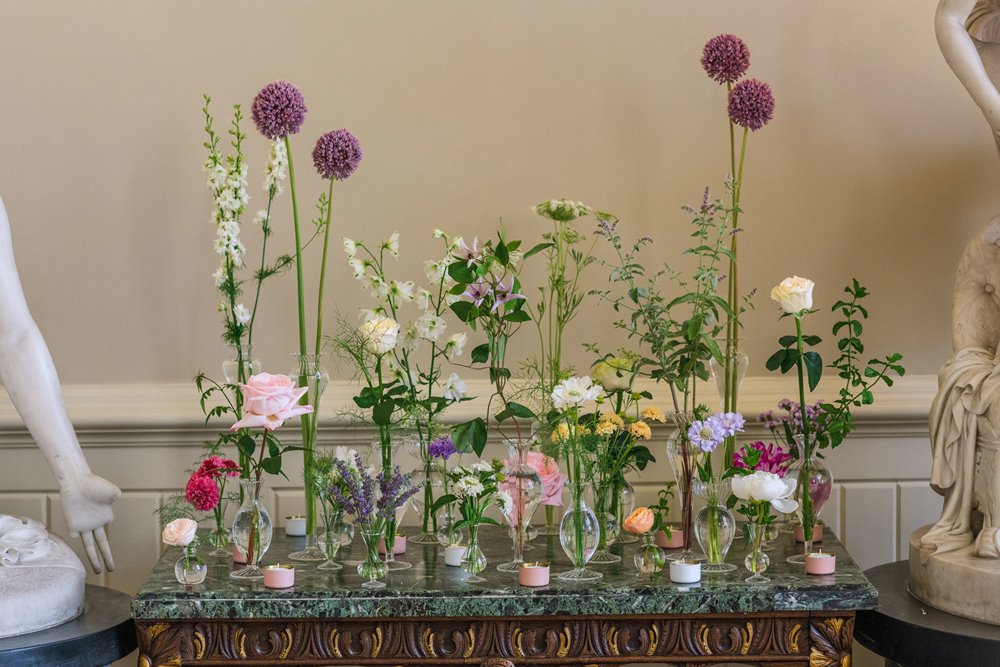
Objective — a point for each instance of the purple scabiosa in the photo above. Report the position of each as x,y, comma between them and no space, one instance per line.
337,154
751,104
279,110
725,58
441,448
706,435
729,422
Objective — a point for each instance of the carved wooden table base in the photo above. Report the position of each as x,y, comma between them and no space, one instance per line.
818,639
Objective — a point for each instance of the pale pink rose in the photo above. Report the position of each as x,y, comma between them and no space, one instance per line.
268,400
180,532
552,478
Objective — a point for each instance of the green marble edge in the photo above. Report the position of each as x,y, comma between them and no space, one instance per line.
431,589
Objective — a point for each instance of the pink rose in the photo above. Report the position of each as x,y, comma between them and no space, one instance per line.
180,532
552,478
268,400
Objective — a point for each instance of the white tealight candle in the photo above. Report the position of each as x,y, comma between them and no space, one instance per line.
295,525
682,572
454,553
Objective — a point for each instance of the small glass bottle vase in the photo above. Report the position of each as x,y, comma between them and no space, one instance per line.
813,485
474,561
372,568
738,362
309,373
756,560
603,503
715,526
219,537
624,507
331,539
649,558
579,532
251,532
190,569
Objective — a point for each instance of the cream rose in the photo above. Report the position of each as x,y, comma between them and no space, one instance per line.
614,374
180,532
268,400
380,335
794,294
766,487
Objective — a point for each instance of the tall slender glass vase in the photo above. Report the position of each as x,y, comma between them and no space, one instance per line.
579,532
524,485
813,485
430,480
739,362
603,504
715,526
239,369
310,374
251,532
683,457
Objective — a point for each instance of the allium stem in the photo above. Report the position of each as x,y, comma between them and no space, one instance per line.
322,271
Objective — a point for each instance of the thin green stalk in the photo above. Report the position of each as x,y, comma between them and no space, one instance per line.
807,505
322,273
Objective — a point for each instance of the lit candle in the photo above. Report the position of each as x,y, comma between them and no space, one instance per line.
821,563
454,553
295,525
398,545
682,572
533,574
279,576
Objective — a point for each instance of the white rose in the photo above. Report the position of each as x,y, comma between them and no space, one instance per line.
180,532
794,294
380,334
574,392
614,374
766,487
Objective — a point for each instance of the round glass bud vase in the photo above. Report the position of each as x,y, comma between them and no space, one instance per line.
190,569
756,560
603,505
251,532
715,526
649,558
219,539
243,364
474,560
579,532
446,518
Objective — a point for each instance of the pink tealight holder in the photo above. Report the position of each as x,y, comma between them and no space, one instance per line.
279,576
821,563
398,545
533,574
238,556
675,541
817,532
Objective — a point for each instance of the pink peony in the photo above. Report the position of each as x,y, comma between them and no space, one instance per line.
216,466
552,478
180,532
202,493
268,400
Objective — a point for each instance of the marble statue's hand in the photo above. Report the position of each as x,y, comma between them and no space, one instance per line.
86,503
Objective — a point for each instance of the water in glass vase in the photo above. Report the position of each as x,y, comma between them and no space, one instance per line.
579,532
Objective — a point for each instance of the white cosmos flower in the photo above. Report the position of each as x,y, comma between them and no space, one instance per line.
575,392
380,335
392,244
469,486
431,326
766,487
241,313
350,247
455,344
454,388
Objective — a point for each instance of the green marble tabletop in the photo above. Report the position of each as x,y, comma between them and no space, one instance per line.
430,588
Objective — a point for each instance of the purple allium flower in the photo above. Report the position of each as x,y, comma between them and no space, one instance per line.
751,104
442,448
279,110
729,423
725,58
706,435
772,458
337,154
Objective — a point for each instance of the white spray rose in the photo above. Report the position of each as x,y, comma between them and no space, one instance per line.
380,334
766,487
794,294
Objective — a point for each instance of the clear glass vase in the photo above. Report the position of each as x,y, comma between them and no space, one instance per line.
579,532
372,568
251,532
190,569
243,364
626,503
756,560
524,485
715,526
474,561
331,539
649,558
603,504
738,363
309,372
813,486
429,478
446,518
683,457
219,537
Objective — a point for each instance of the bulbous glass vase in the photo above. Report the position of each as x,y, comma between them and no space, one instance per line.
251,532
715,526
579,532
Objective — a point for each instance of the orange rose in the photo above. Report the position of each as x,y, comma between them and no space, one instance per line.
639,521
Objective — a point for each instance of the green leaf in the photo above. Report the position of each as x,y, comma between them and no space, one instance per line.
537,249
501,253
465,310
461,273
522,411
273,447
382,413
481,353
787,341
470,436
272,465
366,398
814,368
812,340
517,316
247,445
443,500
775,360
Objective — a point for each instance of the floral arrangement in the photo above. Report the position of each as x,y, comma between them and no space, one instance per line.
474,489
323,476
371,499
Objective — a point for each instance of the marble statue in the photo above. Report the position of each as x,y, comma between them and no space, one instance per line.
955,563
41,579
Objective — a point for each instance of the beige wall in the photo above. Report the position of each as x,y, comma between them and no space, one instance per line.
876,165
